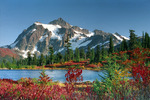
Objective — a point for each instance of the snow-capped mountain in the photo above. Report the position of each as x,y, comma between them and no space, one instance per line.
38,37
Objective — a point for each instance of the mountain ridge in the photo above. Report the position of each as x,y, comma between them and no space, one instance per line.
38,37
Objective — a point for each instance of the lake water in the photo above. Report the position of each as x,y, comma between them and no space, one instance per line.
56,75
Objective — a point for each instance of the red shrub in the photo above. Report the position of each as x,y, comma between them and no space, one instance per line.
141,73
91,66
9,80
74,75
44,78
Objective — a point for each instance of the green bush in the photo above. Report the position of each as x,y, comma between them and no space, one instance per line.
108,79
2,65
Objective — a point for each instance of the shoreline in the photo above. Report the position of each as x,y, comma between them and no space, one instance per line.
48,69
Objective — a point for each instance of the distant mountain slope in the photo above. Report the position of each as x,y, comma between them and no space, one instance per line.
38,37
8,54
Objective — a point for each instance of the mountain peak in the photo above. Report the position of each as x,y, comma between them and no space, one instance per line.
60,22
60,19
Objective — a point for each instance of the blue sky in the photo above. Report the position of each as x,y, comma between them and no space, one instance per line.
107,15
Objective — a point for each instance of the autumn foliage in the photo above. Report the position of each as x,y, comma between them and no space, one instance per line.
6,51
74,75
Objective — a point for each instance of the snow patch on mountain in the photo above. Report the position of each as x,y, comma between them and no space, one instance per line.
94,46
125,37
79,43
53,28
78,32
81,28
105,42
16,48
25,53
60,49
85,43
100,44
78,40
76,37
42,38
34,50
76,44
118,37
90,34
33,30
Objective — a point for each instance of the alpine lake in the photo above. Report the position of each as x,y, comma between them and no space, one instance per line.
55,75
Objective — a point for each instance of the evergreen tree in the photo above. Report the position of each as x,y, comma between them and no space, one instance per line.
4,61
2,65
77,54
68,45
124,45
51,51
97,54
8,65
18,62
88,55
22,62
149,42
59,57
71,54
39,61
92,56
138,43
103,52
143,40
34,59
146,40
25,62
42,60
82,54
13,61
47,59
29,58
111,45
133,40
66,56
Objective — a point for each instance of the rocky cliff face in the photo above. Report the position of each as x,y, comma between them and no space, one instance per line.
38,37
